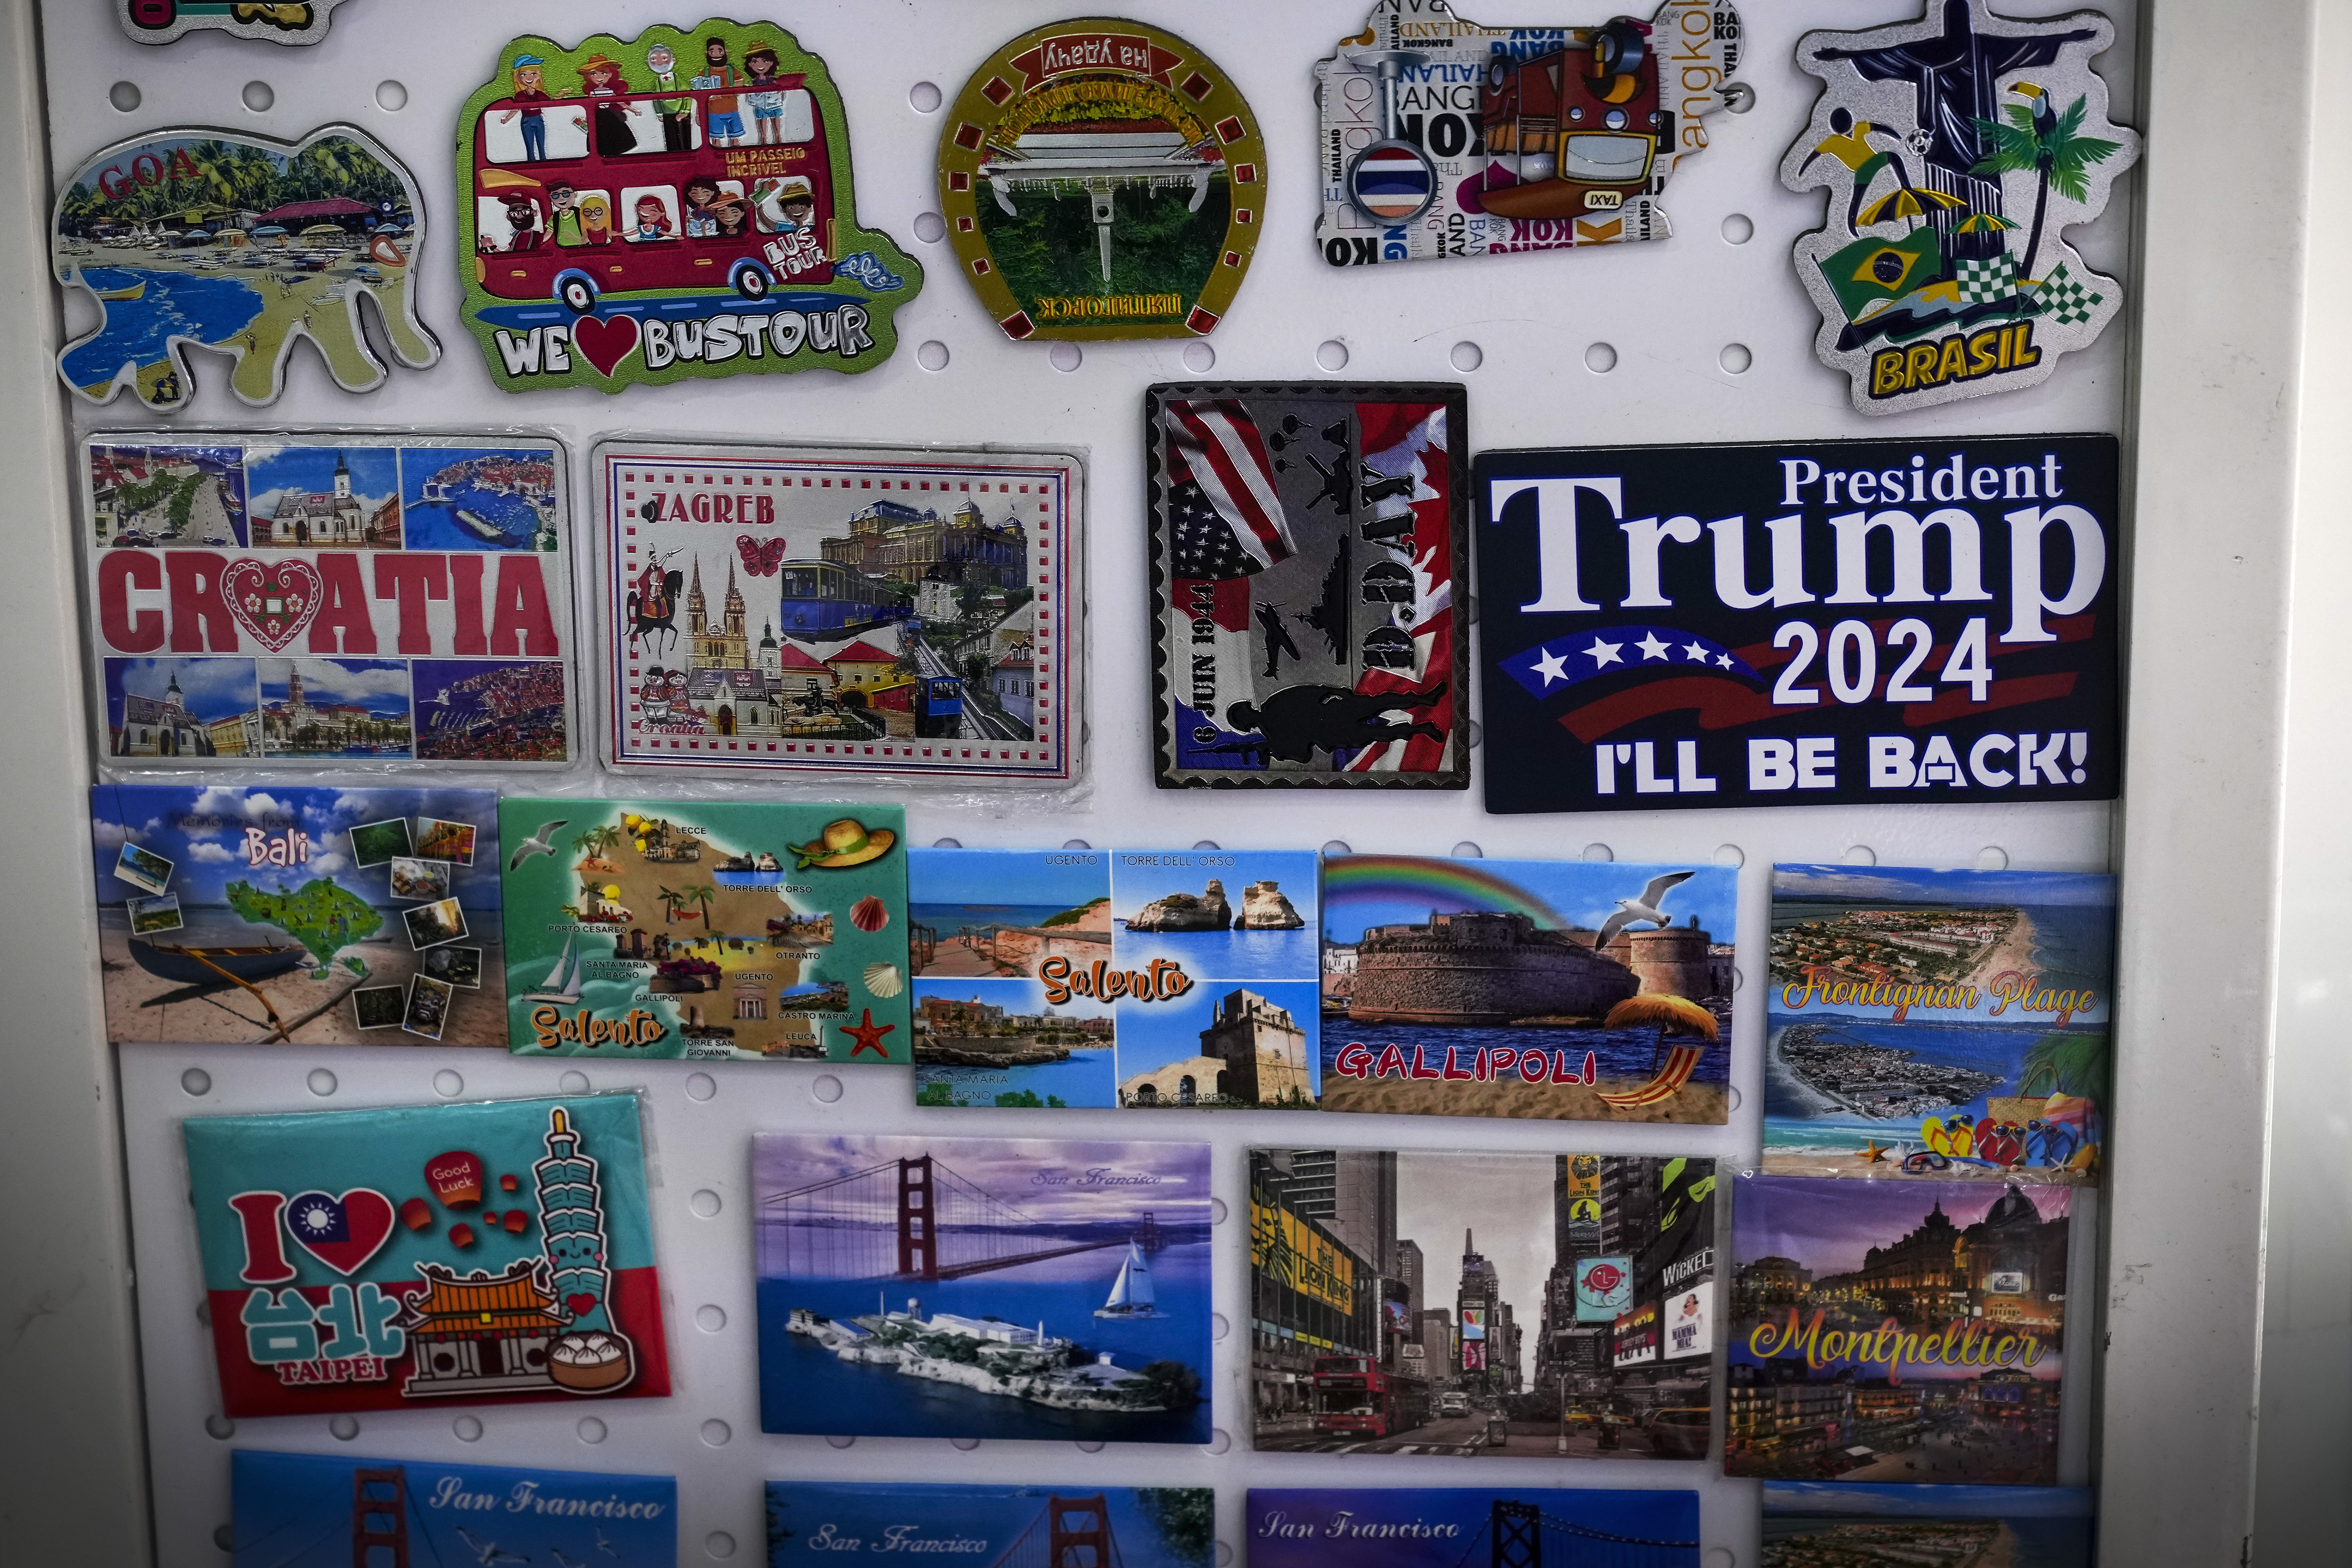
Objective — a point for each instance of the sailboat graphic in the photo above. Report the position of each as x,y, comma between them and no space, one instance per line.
562,982
1130,1293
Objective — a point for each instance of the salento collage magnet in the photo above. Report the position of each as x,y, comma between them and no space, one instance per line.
1862,623
1102,179
1808,1524
786,610
1942,1023
492,1253
1572,990
1129,978
1956,151
1136,1527
1435,1527
304,599
1917,1327
717,931
1580,1324
1307,539
229,241
230,914
320,1511
983,1287
277,21
1443,138
677,205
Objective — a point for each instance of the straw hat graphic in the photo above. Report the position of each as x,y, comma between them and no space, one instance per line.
846,842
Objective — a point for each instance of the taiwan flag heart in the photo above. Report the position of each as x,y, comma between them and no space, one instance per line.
605,344
274,603
759,560
344,1232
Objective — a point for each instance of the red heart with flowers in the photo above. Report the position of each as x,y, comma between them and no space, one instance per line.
274,603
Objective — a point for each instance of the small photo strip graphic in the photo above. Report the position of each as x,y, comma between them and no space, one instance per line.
379,1006
374,843
142,868
428,1007
150,915
440,840
427,879
430,925
458,966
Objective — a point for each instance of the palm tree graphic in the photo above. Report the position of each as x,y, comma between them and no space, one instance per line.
701,894
2050,145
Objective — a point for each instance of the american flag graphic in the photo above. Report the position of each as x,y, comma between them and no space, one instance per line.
1223,512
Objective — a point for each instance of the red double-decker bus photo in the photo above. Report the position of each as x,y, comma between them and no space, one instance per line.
1353,1397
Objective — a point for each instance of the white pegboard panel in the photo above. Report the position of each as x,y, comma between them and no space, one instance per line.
1666,311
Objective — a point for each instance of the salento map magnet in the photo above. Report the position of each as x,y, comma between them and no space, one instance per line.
677,205
1808,1524
279,21
300,600
810,1523
787,610
1102,179
484,1254
1306,540
1443,138
718,931
349,917
229,241
1436,1527
1860,622
1956,150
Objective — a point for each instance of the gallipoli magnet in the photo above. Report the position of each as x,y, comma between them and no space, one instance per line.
1956,150
1426,1527
794,610
314,600
491,1253
222,240
680,204
277,21
1306,542
1443,138
810,1523
1858,622
1102,179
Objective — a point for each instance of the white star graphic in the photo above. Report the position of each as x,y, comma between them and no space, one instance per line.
1724,659
1603,653
1650,647
1552,667
1696,651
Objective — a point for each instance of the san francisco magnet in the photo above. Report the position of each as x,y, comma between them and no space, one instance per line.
1102,179
161,21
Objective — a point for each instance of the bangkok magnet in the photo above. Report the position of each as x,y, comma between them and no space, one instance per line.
162,21
1956,150
1443,138
233,242
677,205
1103,179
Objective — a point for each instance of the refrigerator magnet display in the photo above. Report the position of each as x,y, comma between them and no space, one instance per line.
675,205
1102,179
1956,150
274,21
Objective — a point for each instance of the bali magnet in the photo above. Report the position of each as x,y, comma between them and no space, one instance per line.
237,242
1103,179
162,21
1956,150
1443,138
677,205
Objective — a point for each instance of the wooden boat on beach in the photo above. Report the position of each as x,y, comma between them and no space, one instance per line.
213,965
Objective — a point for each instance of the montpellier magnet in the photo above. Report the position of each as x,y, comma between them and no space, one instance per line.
276,21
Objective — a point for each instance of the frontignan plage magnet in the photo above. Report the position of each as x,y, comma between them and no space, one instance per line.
1956,150
1102,179
162,21
672,205
220,240
1444,139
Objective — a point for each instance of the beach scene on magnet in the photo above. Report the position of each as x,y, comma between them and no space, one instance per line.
716,931
1444,140
675,205
1439,1527
1956,151
270,21
233,242
428,1256
1306,540
846,610
983,1287
1897,1331
1102,179
1579,1322
1951,1025
276,915
1140,1527
317,1510
1576,990
1136,979
1830,1524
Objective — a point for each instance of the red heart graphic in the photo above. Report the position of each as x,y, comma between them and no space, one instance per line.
605,344
344,1232
274,602
579,1303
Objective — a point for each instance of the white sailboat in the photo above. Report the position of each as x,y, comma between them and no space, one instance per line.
562,982
1130,1293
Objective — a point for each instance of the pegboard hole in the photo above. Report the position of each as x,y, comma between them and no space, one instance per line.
321,1082
1066,357
344,1427
705,1204
591,1430
1739,229
1721,1557
1736,358
1220,1440
1738,97
947,843
718,1544
468,1428
841,1442
1216,1211
1200,358
1859,855
709,1318
1331,355
1735,1096
1337,846
1219,1325
1993,857
1206,844
966,1443
1738,979
573,1083
932,355
224,1538
1600,359
1076,844
124,95
1598,852
1476,733
1466,850
258,96
700,1086
930,227
204,1309
220,1426
196,1080
1090,1446
1731,855
827,1089
924,98
448,1085
1466,357
392,97
1225,1555
715,1434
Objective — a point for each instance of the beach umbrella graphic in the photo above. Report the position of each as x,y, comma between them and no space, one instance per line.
1668,1015
1906,202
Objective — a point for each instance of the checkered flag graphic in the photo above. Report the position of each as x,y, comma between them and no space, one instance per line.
1983,279
2067,302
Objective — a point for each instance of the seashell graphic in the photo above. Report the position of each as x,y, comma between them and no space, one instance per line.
869,913
884,979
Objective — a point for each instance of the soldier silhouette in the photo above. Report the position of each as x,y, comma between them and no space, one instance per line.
1296,721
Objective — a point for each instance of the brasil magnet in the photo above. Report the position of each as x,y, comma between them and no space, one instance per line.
1103,179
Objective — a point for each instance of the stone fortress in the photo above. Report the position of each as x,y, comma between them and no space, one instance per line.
1252,1053
1486,968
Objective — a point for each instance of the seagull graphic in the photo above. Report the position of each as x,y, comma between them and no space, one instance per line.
1645,908
563,1562
602,1544
489,1555
538,843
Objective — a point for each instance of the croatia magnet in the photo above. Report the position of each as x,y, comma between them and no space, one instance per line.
1102,179
677,205
1443,138
232,242
162,21
1956,150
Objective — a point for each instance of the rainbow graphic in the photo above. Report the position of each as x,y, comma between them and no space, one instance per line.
1446,884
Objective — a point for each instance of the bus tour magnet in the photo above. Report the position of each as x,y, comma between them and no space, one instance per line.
1103,179
1443,138
1956,150
677,205
237,242
162,21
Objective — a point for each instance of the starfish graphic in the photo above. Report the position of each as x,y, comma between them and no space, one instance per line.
1875,1153
867,1034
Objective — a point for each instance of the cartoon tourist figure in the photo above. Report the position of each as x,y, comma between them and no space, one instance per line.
732,215
785,206
768,101
523,218
699,192
596,218
726,122
530,94
653,219
601,80
563,212
677,113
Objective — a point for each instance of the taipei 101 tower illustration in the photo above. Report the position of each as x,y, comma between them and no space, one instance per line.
592,1356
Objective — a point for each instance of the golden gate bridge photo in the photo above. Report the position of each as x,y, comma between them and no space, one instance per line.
1462,1528
996,1526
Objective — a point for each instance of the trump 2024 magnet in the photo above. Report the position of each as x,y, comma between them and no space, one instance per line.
274,21
1102,179
1956,150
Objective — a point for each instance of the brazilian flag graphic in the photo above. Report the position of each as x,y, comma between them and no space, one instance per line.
1870,274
